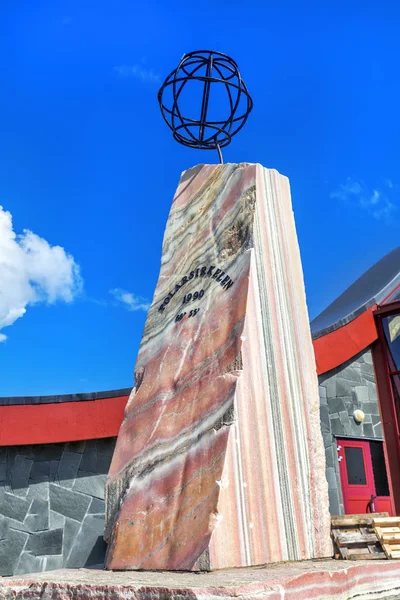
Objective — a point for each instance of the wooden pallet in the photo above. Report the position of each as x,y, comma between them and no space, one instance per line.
355,539
387,530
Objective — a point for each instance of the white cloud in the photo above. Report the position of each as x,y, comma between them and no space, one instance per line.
375,202
129,300
2,337
138,72
32,271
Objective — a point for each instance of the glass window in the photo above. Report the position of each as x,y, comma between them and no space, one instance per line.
391,327
395,379
379,469
355,466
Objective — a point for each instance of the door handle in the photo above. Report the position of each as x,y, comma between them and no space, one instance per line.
371,504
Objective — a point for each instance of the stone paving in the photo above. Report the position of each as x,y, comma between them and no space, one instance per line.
319,580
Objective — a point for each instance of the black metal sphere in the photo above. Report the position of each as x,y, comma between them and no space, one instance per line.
212,70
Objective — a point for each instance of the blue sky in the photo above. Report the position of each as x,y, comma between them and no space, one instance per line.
87,164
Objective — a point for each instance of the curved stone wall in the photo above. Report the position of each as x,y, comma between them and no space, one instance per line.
343,390
52,505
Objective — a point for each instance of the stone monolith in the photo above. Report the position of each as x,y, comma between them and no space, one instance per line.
219,461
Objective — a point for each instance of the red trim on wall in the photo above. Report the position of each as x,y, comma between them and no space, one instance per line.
335,348
61,422
387,417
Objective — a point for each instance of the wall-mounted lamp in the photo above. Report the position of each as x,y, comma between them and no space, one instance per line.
359,416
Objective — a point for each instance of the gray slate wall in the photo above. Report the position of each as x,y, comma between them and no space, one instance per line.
342,391
52,505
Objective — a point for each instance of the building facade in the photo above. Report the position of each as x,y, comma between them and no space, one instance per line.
55,452
357,349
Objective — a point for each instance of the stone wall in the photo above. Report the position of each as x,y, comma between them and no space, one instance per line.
343,390
52,505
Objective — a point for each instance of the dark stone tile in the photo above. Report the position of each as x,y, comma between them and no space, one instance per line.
373,397
336,426
97,555
336,405
40,469
351,373
371,408
361,394
97,506
28,563
11,454
56,521
378,431
331,459
4,528
331,478
105,451
3,454
13,507
368,430
20,474
10,550
78,447
328,440
18,525
367,357
45,542
334,507
68,468
89,459
345,421
344,387
88,549
367,369
324,417
367,378
39,489
90,483
48,452
71,530
54,562
350,409
331,388
68,503
38,517
358,428
53,466
3,471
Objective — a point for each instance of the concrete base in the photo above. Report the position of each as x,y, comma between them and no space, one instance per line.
307,580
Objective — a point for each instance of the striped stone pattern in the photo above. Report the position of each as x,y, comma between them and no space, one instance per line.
219,461
322,580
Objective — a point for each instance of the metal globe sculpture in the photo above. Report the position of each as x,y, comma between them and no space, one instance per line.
206,76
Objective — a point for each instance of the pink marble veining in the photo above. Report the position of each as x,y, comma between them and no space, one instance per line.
219,461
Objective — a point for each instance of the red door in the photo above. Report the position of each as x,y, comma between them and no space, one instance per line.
363,477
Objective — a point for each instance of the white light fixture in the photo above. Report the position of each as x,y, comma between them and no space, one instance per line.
359,416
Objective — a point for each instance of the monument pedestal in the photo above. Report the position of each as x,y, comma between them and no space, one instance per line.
219,460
